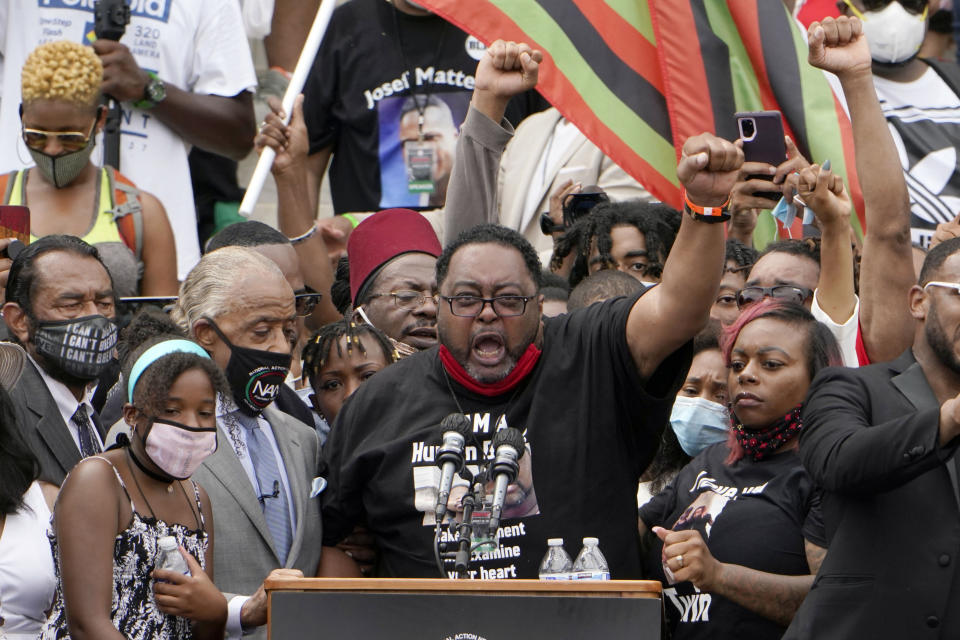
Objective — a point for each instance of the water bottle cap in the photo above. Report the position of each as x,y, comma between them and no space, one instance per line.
167,543
591,541
555,542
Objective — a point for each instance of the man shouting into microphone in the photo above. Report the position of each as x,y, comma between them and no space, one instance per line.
590,391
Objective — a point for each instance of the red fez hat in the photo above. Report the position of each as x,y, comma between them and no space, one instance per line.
384,236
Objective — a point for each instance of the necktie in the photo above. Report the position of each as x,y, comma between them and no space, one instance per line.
88,441
271,494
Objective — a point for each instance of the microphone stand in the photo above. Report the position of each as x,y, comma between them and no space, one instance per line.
465,530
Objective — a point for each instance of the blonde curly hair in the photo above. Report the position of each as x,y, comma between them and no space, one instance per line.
62,70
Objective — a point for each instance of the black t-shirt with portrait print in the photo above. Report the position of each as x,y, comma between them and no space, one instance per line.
591,428
754,514
357,88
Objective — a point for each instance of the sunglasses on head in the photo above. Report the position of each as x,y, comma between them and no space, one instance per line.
785,292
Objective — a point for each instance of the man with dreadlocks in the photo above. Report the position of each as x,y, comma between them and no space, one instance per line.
339,358
633,236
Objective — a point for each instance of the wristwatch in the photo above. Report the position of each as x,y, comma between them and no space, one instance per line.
153,93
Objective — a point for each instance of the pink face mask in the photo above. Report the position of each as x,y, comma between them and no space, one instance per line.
179,449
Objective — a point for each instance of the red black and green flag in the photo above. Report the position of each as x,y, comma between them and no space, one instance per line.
639,77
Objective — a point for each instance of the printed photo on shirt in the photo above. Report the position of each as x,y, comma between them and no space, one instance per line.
415,166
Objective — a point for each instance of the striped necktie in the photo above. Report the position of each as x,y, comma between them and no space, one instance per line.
270,492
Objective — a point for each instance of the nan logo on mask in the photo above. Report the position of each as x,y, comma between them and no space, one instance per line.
263,387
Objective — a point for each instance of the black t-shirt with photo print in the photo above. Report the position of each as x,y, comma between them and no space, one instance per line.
360,85
754,514
591,428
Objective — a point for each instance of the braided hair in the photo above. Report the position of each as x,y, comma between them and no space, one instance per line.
657,222
317,350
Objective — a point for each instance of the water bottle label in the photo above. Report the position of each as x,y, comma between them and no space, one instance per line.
556,576
592,575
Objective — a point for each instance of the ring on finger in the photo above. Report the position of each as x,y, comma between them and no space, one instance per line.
679,558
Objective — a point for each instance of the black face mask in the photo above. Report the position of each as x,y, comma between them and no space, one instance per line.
254,375
75,350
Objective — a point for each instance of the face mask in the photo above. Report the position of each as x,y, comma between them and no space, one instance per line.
63,169
178,449
255,375
893,33
698,423
76,349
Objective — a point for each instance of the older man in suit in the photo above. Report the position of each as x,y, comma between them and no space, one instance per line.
882,440
264,478
60,308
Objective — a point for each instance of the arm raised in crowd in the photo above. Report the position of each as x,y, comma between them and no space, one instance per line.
506,69
675,310
219,124
293,213
824,194
886,269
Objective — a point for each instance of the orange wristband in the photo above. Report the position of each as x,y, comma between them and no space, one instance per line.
706,214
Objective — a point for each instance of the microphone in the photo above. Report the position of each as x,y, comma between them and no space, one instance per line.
456,428
276,493
509,447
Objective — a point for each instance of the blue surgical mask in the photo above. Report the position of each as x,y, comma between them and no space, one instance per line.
699,423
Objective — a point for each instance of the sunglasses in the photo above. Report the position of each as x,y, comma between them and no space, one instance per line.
37,139
913,6
785,292
306,302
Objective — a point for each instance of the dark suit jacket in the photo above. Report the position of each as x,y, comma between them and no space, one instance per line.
892,508
43,427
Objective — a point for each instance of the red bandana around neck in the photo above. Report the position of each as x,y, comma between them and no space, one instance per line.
524,365
760,444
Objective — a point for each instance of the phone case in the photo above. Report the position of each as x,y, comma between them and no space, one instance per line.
15,222
764,144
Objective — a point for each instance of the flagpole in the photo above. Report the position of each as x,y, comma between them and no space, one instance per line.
297,80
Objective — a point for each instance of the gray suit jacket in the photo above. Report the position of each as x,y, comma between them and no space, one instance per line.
243,548
43,428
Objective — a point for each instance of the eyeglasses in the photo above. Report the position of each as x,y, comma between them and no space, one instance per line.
472,306
945,285
36,139
785,292
408,299
306,302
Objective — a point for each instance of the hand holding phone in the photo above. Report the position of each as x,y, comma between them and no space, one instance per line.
761,133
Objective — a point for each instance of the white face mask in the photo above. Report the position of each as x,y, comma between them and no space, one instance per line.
893,33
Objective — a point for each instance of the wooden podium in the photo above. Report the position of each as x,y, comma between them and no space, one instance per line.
363,608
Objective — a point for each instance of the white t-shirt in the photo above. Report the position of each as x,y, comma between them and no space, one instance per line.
196,45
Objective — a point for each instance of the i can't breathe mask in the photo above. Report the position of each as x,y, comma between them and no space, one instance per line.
78,348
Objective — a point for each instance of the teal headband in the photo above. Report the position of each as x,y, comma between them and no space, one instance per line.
156,352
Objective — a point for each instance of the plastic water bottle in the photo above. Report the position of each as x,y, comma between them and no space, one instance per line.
169,556
556,564
590,563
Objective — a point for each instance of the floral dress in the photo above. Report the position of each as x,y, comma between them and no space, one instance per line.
133,609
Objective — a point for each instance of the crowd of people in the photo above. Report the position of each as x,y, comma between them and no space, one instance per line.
769,431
